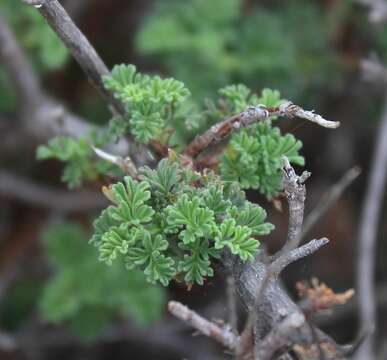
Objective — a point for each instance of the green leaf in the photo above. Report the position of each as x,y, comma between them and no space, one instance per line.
146,127
149,101
121,76
237,96
213,199
237,238
254,158
270,98
196,265
157,266
225,233
242,244
252,216
130,200
101,225
196,220
165,179
116,240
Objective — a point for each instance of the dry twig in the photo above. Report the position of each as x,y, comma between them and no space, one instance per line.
126,164
223,335
251,115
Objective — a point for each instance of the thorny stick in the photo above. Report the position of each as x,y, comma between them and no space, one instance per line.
246,118
223,335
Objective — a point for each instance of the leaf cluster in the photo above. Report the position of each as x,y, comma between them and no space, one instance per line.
253,157
150,102
87,296
172,221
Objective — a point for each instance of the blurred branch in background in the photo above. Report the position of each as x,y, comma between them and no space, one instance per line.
328,199
367,232
13,186
377,10
41,115
80,48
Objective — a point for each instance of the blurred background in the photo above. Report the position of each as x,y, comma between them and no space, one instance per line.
56,300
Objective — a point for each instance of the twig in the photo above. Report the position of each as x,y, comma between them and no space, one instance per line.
79,46
328,199
284,260
223,335
221,130
126,164
367,231
46,197
279,336
251,115
291,110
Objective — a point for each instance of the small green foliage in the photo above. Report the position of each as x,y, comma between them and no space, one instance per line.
85,294
149,253
254,155
239,97
254,158
197,221
78,156
167,223
270,98
253,217
237,238
149,100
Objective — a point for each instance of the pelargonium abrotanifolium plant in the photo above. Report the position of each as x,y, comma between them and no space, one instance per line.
171,221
